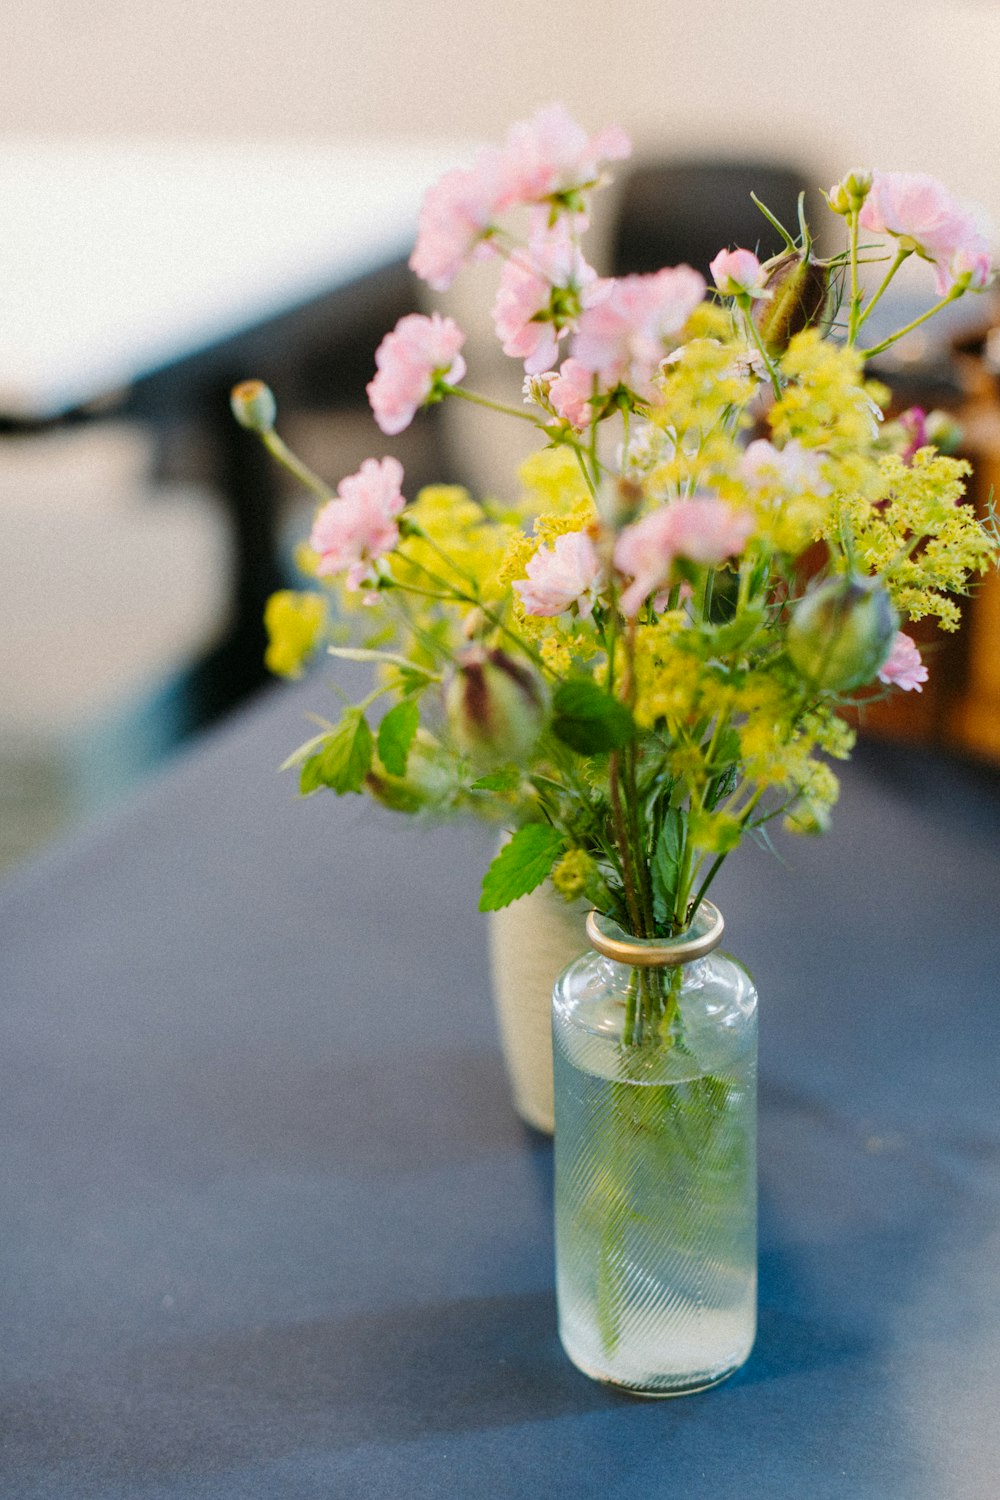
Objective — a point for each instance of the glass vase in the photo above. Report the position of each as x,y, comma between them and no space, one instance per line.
655,1054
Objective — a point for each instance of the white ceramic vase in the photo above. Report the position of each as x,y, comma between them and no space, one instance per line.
531,942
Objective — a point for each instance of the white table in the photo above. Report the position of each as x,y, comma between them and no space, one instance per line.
118,258
147,277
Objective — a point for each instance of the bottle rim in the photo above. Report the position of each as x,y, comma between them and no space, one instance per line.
610,938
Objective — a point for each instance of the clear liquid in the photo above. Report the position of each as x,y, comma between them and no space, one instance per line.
656,1251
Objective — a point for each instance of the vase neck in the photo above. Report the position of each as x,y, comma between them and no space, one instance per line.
703,934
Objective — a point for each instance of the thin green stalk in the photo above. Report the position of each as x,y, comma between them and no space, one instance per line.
769,366
855,328
300,471
500,406
900,333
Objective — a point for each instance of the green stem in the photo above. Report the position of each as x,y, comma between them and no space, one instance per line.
852,322
769,366
854,327
500,406
951,296
284,455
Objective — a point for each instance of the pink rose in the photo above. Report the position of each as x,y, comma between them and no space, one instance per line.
352,532
703,530
457,215
570,393
550,156
792,468
919,211
410,362
542,290
566,574
903,668
738,272
621,337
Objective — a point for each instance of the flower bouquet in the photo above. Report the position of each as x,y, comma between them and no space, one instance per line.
641,659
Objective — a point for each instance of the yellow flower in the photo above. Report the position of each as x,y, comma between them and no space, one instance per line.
294,622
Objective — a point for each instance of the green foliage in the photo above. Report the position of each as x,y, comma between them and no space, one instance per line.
395,736
588,719
666,864
344,758
521,866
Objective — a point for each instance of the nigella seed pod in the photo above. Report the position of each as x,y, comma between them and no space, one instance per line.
841,632
253,405
495,706
799,297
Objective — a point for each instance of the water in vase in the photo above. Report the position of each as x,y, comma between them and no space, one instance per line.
656,1198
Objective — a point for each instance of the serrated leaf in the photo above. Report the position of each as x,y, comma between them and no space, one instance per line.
507,779
344,760
395,736
588,719
521,865
666,862
304,752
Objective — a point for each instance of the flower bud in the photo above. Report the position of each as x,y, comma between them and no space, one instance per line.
841,632
799,296
253,405
848,196
495,707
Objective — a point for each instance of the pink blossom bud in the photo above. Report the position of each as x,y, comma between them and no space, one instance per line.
738,273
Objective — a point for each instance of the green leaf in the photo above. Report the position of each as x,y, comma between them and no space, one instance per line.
588,719
734,636
507,779
521,865
666,863
395,736
344,760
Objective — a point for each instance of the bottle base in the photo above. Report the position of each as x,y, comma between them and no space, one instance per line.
658,1387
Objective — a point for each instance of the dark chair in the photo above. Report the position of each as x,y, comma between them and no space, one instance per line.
686,211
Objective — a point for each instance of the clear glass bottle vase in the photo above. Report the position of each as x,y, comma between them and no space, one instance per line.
655,1054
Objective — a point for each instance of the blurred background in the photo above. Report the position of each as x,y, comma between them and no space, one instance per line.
200,192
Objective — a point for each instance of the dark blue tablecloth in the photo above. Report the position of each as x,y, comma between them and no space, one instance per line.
269,1226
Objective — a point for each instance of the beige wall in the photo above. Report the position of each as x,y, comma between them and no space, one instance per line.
898,83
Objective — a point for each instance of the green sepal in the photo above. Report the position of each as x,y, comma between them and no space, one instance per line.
507,779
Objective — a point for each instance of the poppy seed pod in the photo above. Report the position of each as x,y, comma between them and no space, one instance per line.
495,707
798,297
841,632
253,405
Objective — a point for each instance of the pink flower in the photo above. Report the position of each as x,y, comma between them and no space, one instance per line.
620,338
457,215
793,468
919,211
566,574
551,156
410,362
738,272
570,393
703,530
352,532
542,290
903,668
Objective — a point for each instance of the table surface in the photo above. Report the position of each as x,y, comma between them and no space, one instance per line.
270,1227
119,257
